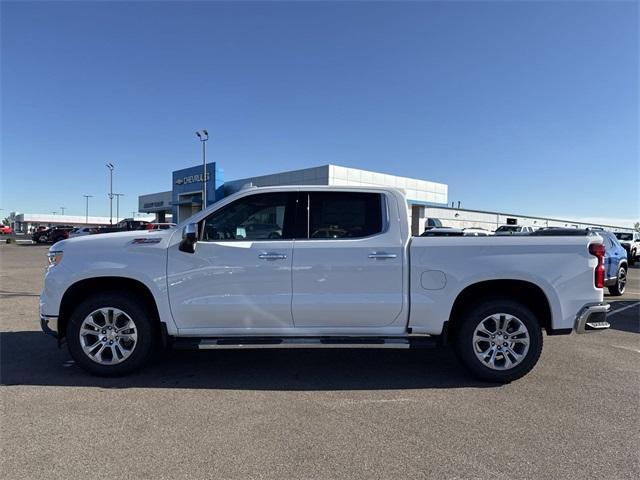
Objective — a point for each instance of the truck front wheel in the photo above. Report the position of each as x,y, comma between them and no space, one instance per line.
110,334
498,340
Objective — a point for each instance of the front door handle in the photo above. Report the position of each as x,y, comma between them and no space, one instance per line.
272,256
382,255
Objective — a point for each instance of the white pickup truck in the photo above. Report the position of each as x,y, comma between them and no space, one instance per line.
312,267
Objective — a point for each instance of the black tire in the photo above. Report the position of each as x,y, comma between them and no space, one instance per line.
620,286
144,323
632,258
41,239
465,347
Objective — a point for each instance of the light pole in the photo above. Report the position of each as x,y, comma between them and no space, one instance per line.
204,136
110,167
62,208
86,210
118,195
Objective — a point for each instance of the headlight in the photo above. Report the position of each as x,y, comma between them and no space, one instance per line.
55,257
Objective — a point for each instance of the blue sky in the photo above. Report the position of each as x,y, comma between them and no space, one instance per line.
525,107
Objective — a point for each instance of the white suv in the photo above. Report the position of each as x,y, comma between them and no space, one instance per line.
514,230
630,241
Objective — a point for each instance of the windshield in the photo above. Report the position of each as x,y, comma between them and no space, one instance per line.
623,236
507,228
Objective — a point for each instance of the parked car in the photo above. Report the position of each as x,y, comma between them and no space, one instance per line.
514,230
560,232
332,231
53,234
80,231
476,232
432,223
159,226
630,241
259,231
41,235
615,264
115,298
6,230
125,225
443,232
59,233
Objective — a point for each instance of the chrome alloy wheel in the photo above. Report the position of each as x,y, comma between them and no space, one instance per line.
108,336
622,280
501,341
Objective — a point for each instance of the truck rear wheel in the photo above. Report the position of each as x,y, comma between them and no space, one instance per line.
110,334
498,340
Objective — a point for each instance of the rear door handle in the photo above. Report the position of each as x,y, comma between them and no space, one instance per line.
382,255
272,256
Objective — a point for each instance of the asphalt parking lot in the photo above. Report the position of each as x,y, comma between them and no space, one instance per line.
314,414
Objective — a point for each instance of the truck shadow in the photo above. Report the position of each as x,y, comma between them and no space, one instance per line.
31,358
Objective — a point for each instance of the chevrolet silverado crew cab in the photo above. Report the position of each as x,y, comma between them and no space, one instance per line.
319,267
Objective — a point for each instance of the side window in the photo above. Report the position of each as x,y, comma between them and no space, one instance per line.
344,215
254,217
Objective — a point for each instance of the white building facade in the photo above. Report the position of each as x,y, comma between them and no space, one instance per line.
425,199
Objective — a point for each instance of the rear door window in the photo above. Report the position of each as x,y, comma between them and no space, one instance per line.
336,215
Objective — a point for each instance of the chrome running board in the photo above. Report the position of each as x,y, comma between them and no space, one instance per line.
235,343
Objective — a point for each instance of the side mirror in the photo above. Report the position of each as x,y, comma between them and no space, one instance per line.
189,238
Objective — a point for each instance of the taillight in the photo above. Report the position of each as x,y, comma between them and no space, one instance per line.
597,250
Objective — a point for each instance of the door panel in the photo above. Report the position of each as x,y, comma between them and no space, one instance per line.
232,285
240,273
340,280
337,285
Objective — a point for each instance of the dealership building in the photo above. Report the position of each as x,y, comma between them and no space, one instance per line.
425,199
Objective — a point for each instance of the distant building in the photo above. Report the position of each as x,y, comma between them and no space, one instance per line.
425,199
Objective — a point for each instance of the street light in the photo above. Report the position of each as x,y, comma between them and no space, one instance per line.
118,195
110,167
62,208
204,136
86,211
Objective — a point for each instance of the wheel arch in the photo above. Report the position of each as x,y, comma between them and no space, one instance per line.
82,288
522,291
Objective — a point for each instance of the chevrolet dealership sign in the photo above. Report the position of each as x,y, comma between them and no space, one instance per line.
191,179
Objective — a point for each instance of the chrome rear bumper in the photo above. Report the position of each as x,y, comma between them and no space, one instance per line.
592,318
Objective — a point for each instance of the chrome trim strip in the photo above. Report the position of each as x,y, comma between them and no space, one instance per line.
382,255
299,343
